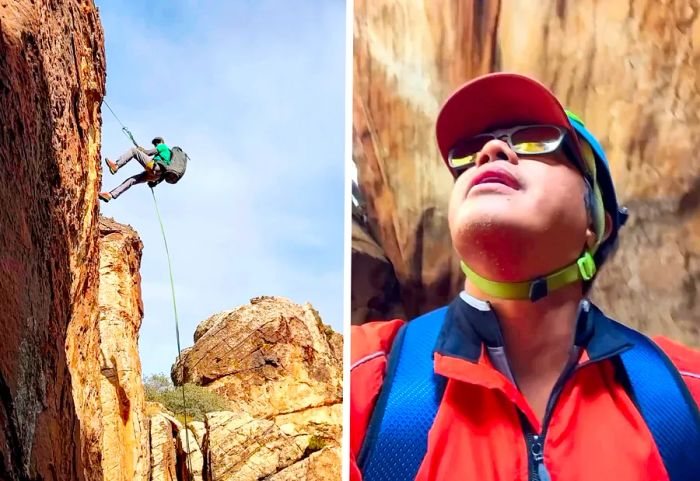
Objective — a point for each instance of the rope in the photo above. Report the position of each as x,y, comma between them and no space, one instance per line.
177,330
126,131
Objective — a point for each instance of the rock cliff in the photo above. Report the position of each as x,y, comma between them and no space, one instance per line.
52,74
105,366
628,68
125,429
280,370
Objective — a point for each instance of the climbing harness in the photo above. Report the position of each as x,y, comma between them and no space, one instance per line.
128,133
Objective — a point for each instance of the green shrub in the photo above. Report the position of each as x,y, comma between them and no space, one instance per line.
159,388
316,443
155,385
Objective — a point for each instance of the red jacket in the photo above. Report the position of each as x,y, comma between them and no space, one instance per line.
594,432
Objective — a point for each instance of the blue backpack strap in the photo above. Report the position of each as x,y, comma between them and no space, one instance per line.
397,435
665,403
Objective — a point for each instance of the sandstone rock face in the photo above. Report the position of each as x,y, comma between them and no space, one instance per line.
407,57
199,429
52,74
125,445
191,459
628,68
322,425
176,452
243,448
323,465
267,358
163,454
375,290
280,369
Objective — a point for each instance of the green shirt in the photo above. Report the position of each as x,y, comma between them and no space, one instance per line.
163,154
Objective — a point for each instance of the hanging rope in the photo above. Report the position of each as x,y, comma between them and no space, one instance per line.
128,133
177,329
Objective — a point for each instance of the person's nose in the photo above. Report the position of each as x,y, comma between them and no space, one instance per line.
496,149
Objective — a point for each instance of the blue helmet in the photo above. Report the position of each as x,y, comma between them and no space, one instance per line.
603,179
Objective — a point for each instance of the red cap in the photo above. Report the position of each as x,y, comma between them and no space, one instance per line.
498,100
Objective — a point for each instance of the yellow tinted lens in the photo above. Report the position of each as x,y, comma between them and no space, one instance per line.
531,147
458,162
536,139
464,154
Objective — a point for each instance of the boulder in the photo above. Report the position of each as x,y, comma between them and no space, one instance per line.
266,358
163,451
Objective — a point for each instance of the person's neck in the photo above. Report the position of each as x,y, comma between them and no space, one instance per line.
538,336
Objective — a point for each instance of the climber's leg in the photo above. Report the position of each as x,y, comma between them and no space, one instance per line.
128,183
134,153
112,166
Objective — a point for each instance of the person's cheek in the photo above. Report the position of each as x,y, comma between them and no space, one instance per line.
457,196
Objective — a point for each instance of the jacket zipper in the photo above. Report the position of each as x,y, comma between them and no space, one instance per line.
537,470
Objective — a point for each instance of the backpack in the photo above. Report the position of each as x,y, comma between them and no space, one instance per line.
174,171
396,439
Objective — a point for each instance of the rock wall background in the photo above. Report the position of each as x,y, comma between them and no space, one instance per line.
628,68
52,74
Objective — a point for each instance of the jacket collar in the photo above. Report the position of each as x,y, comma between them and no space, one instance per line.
470,325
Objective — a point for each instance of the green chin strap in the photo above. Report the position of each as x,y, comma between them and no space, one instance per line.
583,269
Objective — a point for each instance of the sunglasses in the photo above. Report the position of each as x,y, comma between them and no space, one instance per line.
523,139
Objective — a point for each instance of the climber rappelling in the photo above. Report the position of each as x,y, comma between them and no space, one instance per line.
159,163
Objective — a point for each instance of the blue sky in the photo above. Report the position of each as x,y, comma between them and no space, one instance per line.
253,91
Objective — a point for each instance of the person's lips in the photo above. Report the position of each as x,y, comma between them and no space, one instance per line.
494,175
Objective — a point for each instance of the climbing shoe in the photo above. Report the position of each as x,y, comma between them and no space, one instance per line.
105,196
112,166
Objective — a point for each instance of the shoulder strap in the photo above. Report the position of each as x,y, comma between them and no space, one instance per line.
397,436
665,403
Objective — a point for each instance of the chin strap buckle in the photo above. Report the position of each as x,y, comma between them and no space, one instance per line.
538,289
586,266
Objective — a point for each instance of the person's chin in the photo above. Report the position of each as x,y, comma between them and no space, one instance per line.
488,219
489,204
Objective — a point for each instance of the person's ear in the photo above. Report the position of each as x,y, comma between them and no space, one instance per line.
591,236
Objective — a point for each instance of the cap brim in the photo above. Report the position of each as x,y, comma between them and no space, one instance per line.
497,100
